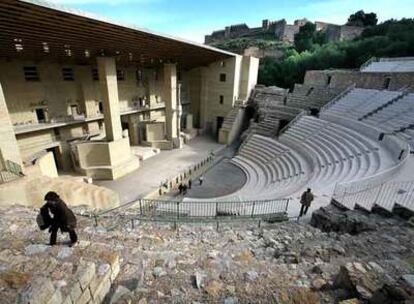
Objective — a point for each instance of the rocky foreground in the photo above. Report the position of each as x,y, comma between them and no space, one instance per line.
290,262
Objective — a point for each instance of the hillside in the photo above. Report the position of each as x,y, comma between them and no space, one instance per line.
389,39
283,64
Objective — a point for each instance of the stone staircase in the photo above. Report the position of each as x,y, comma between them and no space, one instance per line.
230,118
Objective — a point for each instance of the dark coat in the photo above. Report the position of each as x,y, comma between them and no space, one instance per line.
306,198
63,217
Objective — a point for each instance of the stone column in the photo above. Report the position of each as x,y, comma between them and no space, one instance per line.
133,125
204,98
170,99
9,149
109,91
84,74
179,109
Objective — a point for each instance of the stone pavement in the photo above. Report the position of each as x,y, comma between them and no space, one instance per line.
158,168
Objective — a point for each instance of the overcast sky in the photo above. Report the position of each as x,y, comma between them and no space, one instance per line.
192,19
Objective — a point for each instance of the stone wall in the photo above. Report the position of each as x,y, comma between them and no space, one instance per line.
57,95
8,146
345,78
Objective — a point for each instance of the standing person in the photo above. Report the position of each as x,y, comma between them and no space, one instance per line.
63,218
306,200
180,188
190,182
201,179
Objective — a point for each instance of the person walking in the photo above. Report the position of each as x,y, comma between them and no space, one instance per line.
62,218
190,182
201,179
180,189
306,200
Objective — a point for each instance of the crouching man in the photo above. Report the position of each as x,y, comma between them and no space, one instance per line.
62,218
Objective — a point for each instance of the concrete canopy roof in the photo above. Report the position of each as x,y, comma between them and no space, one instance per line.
38,30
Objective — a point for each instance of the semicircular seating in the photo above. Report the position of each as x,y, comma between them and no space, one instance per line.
335,153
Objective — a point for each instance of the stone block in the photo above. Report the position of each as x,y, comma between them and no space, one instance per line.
113,260
85,273
101,283
102,291
56,298
40,291
68,300
75,292
85,297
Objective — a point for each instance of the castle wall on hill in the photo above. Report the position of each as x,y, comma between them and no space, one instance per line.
282,31
344,79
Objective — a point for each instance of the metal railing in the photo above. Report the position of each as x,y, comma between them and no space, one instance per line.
367,63
11,171
13,167
337,98
293,121
194,211
385,195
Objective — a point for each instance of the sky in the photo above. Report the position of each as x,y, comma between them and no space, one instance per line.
193,19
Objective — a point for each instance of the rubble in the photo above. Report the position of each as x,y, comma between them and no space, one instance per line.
289,262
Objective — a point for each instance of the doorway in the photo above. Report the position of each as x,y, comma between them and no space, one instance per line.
40,115
57,156
220,121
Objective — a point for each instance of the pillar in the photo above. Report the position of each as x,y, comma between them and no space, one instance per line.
170,99
133,126
109,91
84,74
248,78
204,98
179,108
9,149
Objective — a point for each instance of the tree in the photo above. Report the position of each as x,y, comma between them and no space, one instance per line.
304,38
362,19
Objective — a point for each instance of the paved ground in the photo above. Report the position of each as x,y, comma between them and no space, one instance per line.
222,179
157,169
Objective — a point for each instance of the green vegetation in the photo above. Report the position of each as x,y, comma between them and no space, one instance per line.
362,19
308,37
238,45
389,39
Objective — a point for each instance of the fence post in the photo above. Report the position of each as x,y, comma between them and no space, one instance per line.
216,209
96,220
254,203
178,210
140,206
287,205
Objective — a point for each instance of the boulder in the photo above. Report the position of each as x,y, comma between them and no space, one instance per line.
118,294
251,276
391,294
318,283
357,280
332,219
